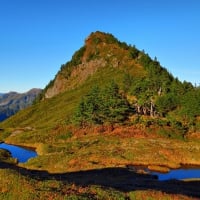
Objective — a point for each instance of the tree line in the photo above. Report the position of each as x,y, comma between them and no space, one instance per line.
155,96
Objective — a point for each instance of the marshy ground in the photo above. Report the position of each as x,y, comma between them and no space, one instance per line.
96,164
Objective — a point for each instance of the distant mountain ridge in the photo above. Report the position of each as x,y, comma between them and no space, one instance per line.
12,102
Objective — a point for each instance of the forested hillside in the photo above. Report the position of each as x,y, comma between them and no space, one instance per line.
111,82
110,116
147,88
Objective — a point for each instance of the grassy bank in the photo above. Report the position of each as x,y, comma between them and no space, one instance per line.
91,163
71,149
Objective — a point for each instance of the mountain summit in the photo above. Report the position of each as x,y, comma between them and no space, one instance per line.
109,110
101,50
108,81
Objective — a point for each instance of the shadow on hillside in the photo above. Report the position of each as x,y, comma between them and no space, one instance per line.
121,179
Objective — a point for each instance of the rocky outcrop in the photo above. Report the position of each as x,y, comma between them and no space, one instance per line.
100,50
78,75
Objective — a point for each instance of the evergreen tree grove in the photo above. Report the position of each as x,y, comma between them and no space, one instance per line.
101,106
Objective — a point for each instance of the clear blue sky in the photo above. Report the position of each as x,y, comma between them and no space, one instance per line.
37,36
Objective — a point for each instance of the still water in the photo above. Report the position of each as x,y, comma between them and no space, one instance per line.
22,154
178,174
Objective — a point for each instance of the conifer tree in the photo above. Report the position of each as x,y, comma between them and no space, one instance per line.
102,106
115,106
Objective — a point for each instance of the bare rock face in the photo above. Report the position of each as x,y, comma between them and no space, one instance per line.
99,51
78,75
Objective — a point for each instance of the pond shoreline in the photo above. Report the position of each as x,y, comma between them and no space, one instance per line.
22,154
156,171
136,165
20,145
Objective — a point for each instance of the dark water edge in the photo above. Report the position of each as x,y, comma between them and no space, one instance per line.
22,154
185,172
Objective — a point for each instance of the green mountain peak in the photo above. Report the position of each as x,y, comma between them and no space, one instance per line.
146,90
101,50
